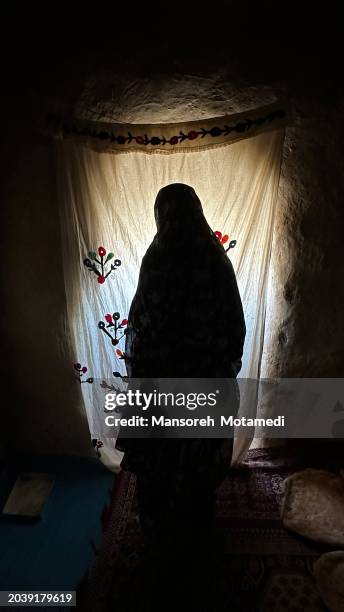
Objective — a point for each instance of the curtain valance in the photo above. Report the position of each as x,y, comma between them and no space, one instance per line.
170,137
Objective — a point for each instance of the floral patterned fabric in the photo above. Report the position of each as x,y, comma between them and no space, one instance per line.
186,321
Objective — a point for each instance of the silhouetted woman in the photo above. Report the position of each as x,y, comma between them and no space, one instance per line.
185,321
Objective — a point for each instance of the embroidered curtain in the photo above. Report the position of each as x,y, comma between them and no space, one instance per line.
107,189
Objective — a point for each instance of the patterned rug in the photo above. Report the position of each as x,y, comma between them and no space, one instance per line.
254,563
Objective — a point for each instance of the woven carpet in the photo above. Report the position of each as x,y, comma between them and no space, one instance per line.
253,563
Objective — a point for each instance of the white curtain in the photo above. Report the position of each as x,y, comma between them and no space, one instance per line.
107,200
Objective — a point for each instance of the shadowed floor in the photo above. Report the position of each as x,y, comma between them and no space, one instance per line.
249,561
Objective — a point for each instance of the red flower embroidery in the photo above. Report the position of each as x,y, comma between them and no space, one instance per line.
174,140
124,322
101,279
108,318
192,135
81,371
101,251
222,239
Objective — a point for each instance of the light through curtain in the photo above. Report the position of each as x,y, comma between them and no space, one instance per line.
107,200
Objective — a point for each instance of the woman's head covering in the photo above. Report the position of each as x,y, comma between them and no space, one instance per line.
176,203
179,216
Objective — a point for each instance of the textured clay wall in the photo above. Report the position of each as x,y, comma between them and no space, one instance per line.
305,329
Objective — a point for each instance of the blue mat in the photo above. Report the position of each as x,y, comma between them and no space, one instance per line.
54,552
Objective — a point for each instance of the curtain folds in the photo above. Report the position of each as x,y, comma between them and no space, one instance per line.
107,200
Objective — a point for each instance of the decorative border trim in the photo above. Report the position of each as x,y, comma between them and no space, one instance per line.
195,134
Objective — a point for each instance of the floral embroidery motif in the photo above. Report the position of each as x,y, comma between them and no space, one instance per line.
113,326
223,239
243,125
81,370
97,444
92,257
